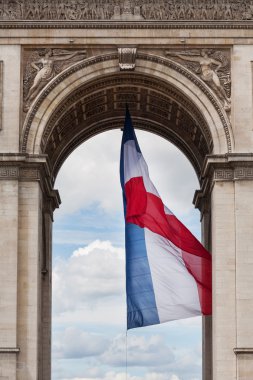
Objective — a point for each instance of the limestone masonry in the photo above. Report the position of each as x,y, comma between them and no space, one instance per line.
67,68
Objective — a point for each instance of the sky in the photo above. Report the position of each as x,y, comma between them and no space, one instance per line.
89,313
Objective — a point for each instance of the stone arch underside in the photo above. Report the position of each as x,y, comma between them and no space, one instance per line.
89,98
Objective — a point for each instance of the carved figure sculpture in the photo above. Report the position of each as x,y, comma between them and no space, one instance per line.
208,74
74,10
46,72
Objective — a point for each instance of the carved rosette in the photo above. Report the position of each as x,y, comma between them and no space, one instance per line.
134,10
212,66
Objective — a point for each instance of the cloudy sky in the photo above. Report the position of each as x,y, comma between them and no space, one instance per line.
89,313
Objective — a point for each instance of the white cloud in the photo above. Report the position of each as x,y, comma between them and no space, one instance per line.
174,377
91,174
74,343
142,352
89,276
99,245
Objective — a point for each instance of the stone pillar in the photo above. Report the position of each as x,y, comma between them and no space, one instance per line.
207,357
229,180
224,267
46,291
29,278
27,202
8,270
204,205
244,271
10,58
37,201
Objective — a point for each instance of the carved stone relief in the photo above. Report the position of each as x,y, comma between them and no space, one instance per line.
167,63
133,10
42,65
100,105
1,94
212,66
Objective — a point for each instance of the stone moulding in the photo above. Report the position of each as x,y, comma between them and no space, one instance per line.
243,351
221,25
22,167
220,168
9,350
114,56
1,93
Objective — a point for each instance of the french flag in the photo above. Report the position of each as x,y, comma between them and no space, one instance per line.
168,271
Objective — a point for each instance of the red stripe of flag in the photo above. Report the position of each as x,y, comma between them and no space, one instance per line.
147,211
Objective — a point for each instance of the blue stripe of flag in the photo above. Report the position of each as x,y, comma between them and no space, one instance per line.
141,304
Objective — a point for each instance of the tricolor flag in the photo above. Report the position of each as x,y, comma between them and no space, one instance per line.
168,271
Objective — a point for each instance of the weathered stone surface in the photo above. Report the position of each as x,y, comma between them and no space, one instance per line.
168,93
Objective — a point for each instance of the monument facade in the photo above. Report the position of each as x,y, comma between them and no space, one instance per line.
67,68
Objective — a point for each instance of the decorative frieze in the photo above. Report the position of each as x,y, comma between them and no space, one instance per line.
222,168
235,174
212,66
30,168
223,174
133,10
243,173
9,172
29,174
19,173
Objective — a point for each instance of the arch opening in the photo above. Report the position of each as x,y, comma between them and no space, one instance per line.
94,168
99,105
89,98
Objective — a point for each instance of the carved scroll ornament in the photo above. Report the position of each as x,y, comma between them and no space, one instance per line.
42,65
212,66
134,10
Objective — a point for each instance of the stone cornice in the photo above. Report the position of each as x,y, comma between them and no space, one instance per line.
24,167
220,25
222,165
9,350
243,351
223,168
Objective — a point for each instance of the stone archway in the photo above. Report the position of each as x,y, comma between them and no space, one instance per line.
87,98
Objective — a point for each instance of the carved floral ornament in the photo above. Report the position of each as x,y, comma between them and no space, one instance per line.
125,10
